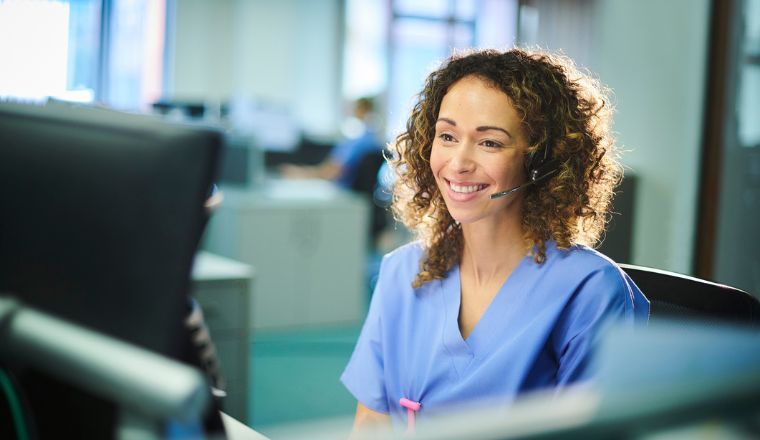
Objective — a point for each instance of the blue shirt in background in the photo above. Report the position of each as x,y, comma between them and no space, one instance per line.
350,152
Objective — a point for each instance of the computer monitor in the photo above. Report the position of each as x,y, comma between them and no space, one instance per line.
100,216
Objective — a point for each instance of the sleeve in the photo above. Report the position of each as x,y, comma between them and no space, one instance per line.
602,298
364,374
341,153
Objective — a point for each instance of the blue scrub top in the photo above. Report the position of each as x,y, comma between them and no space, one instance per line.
537,333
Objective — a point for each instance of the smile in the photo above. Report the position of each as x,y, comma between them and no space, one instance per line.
466,188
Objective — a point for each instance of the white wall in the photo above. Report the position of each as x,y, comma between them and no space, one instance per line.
203,56
653,54
284,52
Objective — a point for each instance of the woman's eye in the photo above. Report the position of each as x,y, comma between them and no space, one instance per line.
491,144
446,137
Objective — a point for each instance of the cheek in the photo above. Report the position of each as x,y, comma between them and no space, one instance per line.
436,161
507,172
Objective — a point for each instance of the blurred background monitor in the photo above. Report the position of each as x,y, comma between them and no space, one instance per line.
101,215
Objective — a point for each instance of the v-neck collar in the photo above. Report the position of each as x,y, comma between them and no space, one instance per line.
481,338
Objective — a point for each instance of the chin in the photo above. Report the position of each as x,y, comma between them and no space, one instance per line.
465,218
469,217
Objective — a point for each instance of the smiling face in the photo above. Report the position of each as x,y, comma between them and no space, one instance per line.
478,150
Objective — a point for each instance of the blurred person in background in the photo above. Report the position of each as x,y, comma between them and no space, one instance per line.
343,162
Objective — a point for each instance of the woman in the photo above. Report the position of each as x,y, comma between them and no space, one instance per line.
505,172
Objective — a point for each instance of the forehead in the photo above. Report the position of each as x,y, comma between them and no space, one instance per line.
476,99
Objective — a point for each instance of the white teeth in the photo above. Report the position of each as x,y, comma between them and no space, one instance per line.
465,189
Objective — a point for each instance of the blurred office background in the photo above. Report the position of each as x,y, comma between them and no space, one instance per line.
279,76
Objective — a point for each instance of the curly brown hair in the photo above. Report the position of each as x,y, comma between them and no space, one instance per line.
562,109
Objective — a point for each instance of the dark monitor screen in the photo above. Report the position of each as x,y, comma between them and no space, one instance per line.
100,216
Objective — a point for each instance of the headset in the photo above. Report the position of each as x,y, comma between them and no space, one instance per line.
539,166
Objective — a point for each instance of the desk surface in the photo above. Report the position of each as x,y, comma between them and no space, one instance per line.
208,266
238,431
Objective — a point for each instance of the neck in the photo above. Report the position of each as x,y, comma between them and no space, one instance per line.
492,250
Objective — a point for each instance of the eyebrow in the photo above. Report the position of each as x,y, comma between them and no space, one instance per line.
481,128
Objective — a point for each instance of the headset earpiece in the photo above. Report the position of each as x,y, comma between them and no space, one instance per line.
544,171
539,166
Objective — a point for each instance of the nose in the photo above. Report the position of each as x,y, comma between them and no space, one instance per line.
462,161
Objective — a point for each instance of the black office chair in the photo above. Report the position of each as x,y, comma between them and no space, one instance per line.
676,296
365,182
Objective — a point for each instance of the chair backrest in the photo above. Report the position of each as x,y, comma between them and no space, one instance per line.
365,181
673,295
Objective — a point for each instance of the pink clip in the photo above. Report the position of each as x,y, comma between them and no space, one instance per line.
411,407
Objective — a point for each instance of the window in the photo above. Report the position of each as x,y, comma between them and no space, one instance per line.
135,54
48,48
748,96
108,51
365,66
421,35
391,45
